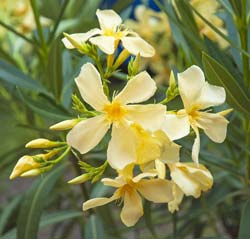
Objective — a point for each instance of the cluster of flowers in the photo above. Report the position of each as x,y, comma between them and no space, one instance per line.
141,149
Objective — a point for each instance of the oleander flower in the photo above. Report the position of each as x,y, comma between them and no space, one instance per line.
110,34
192,179
88,133
129,189
197,96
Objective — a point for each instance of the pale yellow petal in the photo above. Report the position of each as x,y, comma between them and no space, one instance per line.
80,38
150,116
211,95
132,209
189,186
170,151
191,178
90,86
105,43
156,190
136,45
176,126
116,183
121,149
214,126
137,178
190,84
88,133
160,168
178,196
108,19
96,202
201,174
196,146
140,88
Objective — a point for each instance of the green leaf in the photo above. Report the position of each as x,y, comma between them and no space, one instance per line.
55,68
45,109
217,74
148,218
34,202
7,212
48,220
14,76
94,228
244,231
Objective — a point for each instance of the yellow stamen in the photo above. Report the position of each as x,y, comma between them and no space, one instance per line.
114,111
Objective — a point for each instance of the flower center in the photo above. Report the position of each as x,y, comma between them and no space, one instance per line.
114,111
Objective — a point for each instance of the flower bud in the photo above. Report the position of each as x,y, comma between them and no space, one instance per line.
65,125
80,179
23,165
42,144
31,173
121,58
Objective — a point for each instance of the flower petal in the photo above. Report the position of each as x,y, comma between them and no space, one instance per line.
178,196
96,202
214,126
190,84
136,45
116,183
121,148
108,19
105,43
150,116
189,186
80,38
88,133
138,89
137,178
90,86
176,126
191,178
211,95
156,190
170,151
132,209
196,146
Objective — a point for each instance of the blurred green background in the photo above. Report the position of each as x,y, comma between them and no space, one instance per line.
37,80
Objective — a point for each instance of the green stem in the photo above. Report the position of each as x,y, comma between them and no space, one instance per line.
174,220
63,8
38,25
17,33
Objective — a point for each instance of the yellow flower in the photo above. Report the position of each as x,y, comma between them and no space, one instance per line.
128,189
197,95
111,33
192,179
88,133
178,195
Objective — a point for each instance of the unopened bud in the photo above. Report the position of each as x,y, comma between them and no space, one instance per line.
65,125
121,58
80,179
70,42
24,164
31,173
42,144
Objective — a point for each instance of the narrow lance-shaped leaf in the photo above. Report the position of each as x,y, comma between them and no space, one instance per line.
14,76
34,202
218,75
244,231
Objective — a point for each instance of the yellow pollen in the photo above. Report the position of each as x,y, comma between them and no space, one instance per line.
114,111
